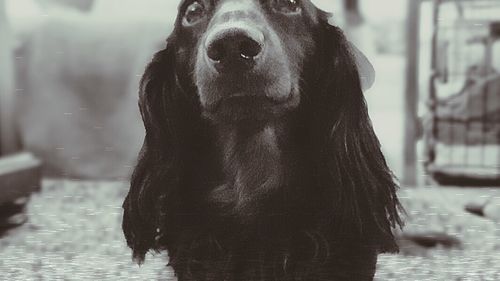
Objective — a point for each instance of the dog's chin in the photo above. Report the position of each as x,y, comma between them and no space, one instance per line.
264,93
250,108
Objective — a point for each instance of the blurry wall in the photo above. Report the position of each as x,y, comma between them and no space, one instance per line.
6,83
77,84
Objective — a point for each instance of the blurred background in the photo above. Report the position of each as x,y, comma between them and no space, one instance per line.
70,131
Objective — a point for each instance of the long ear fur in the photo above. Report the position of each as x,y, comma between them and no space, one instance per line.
166,111
352,169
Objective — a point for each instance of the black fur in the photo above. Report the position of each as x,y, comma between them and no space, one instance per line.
329,219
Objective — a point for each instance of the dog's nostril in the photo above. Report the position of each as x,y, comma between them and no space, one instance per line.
249,48
233,49
216,51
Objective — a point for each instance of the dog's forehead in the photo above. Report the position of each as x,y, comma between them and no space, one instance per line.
235,5
310,10
308,4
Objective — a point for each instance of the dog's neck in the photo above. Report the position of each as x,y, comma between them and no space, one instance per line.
253,165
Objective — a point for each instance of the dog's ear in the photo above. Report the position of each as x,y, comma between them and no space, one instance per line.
365,68
165,109
350,162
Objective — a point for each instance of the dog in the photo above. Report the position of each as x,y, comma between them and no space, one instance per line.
259,160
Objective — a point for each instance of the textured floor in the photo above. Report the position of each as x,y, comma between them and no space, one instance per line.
74,234
442,210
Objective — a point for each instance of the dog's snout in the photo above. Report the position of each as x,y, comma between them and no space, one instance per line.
235,44
234,48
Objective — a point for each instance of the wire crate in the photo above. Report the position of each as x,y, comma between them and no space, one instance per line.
462,129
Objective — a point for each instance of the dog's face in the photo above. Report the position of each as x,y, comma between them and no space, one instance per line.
248,55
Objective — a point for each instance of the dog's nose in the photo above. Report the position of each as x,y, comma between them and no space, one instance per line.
234,49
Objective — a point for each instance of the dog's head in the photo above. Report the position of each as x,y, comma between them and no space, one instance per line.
245,57
237,62
250,55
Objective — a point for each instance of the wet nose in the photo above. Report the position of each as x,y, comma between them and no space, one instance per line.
234,49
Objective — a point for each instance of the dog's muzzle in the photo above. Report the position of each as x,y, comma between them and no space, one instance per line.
242,71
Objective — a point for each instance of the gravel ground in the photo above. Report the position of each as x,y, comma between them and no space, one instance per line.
442,210
74,233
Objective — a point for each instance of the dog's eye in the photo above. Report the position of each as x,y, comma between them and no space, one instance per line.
194,13
286,6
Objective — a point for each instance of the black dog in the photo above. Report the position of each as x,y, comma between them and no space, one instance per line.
259,162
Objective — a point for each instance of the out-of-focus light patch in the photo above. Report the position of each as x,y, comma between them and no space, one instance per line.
24,15
373,11
332,7
327,5
145,9
384,10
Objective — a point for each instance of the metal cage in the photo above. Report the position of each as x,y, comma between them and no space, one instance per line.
462,129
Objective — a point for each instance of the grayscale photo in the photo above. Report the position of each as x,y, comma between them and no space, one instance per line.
250,140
